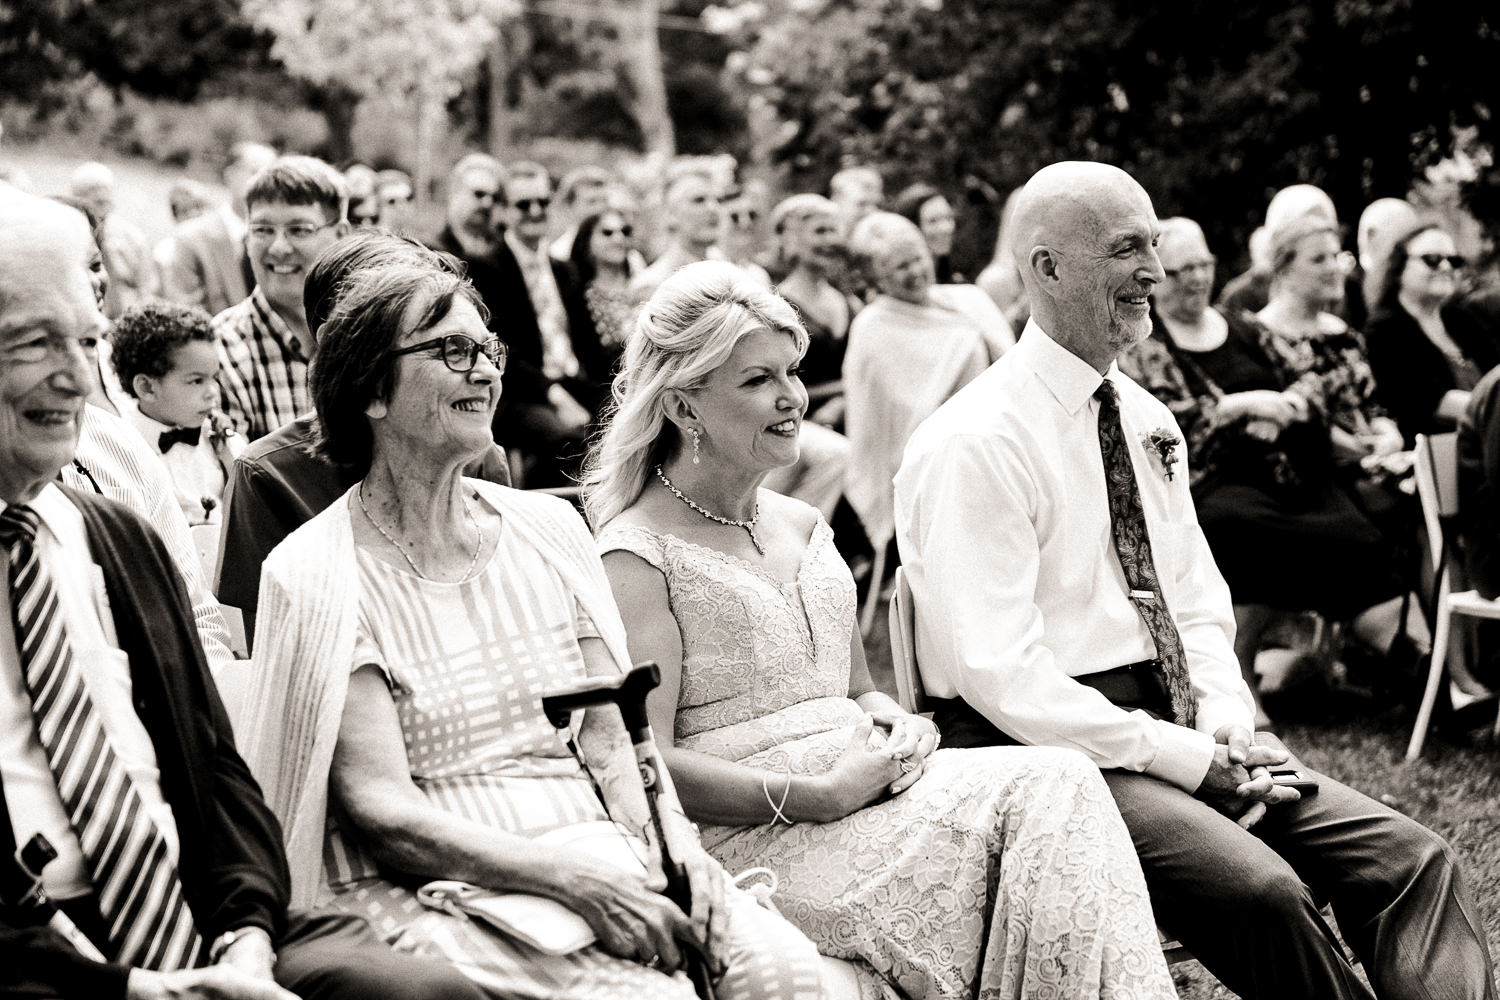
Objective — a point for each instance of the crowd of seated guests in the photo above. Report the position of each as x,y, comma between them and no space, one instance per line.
302,371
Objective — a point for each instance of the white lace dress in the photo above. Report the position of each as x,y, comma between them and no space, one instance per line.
1002,873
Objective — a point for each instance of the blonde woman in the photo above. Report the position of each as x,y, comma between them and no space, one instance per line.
941,873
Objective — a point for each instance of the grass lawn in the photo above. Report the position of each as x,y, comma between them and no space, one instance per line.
140,186
1454,790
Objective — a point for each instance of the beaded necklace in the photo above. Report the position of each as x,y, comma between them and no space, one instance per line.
749,525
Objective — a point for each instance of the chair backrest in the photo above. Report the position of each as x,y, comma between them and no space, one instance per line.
1435,465
909,691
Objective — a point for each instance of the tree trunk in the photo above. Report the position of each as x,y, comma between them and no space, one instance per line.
501,123
647,94
339,105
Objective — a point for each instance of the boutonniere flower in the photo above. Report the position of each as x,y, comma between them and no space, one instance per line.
1164,443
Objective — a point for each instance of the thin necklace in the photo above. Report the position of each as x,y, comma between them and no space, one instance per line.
386,535
749,525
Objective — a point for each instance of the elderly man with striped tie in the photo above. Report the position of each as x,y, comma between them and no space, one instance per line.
1065,596
169,868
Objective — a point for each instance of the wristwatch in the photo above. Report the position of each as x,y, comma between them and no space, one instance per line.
223,941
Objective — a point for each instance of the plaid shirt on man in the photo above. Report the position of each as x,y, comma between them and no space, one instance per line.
263,372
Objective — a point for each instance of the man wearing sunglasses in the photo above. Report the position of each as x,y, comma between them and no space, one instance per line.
550,367
297,208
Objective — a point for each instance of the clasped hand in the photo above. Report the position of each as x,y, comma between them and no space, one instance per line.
633,921
1239,782
908,741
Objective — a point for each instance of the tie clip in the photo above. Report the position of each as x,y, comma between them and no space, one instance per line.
1142,595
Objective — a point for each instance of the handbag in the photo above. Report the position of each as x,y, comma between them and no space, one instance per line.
540,922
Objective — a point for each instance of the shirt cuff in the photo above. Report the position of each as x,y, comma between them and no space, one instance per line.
1183,756
1214,714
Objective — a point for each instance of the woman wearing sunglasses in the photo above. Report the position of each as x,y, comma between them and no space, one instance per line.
600,307
405,638
1426,360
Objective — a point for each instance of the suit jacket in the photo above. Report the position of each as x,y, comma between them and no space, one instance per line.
232,863
275,487
525,419
209,267
1411,374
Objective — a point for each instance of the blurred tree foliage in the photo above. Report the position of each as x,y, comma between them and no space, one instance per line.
1212,106
157,49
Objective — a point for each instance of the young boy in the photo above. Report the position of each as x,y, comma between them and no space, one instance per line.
166,358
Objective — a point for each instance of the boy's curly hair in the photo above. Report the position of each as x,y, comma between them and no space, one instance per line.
145,336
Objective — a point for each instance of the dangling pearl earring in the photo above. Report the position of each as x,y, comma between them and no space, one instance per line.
696,439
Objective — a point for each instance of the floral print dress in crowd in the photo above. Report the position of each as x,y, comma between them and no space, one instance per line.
1001,873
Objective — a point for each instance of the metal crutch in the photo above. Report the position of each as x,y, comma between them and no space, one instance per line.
628,692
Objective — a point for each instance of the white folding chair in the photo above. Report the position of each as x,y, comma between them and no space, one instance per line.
912,697
1436,466
872,596
910,694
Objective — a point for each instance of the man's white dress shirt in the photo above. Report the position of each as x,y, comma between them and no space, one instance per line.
1003,525
31,794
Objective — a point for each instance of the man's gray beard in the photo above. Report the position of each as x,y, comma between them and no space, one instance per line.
1122,337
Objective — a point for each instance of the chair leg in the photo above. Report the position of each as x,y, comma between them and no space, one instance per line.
872,597
1434,678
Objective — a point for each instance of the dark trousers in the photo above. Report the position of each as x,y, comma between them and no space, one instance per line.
322,957
1245,902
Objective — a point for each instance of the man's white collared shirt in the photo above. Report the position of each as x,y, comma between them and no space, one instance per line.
31,795
1004,529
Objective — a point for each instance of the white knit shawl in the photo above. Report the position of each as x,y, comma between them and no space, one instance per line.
304,648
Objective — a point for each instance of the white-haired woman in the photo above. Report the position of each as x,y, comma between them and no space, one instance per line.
910,349
960,873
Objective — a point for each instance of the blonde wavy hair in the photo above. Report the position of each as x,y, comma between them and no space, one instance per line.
688,328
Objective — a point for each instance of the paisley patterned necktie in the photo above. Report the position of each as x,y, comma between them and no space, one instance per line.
1127,520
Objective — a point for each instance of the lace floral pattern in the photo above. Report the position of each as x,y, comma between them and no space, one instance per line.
1002,873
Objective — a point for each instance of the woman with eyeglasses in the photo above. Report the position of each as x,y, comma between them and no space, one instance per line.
404,640
1425,359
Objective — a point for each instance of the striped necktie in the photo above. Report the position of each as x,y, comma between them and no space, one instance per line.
134,876
1127,521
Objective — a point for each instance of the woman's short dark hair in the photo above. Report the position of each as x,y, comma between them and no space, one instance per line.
363,248
910,201
375,307
1387,299
582,254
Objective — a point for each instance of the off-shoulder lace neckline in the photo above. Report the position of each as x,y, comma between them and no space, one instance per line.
820,527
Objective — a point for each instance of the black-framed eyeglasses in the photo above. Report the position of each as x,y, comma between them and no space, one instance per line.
297,232
1191,268
526,205
460,353
1435,260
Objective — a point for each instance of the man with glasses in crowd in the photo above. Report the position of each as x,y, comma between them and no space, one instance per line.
297,208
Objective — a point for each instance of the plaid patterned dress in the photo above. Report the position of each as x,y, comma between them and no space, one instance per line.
467,664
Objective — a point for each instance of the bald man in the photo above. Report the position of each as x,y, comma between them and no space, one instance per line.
1065,597
169,877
